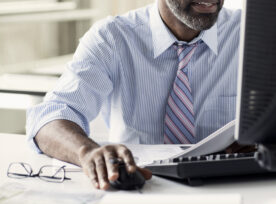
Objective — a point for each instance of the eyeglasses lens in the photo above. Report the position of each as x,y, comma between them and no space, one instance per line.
19,170
52,174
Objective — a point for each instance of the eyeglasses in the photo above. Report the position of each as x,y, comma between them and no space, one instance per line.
49,173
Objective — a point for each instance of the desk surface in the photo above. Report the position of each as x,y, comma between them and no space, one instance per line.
13,148
27,83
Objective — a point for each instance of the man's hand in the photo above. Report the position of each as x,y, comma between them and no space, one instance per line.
66,141
98,166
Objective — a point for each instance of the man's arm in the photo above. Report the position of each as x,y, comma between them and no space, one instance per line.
66,141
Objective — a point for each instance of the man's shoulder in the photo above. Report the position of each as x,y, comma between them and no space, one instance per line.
229,17
129,20
135,17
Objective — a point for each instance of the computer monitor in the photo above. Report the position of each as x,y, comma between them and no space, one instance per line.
256,101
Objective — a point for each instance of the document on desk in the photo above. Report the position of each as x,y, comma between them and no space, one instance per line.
217,141
146,154
11,193
172,198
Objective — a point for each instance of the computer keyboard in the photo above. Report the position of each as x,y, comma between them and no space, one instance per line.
200,167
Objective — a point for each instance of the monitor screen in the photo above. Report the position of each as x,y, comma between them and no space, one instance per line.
256,101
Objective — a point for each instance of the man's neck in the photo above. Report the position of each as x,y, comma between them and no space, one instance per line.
181,31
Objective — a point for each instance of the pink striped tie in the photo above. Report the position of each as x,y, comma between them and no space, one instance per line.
179,118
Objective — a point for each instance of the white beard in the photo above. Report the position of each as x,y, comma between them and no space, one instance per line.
197,23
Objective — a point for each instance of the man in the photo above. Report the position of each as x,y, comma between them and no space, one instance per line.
126,68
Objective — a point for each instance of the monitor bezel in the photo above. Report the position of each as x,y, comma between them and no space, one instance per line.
240,69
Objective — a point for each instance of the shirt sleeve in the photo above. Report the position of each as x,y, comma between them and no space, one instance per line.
83,88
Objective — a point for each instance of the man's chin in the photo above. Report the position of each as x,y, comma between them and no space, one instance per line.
196,17
200,22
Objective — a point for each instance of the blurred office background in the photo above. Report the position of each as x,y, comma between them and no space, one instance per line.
37,39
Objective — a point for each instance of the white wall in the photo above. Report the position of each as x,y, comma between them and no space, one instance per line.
25,42
233,4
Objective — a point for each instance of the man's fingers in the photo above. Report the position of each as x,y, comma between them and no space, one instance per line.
112,167
90,171
101,173
126,155
98,165
145,172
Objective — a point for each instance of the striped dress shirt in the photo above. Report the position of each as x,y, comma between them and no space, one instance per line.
124,69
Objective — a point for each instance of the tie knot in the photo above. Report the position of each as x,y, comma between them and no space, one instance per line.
178,45
185,51
181,45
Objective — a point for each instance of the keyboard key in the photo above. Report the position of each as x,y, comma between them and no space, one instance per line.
192,158
176,160
201,158
184,159
230,156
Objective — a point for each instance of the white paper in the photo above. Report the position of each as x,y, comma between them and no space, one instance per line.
10,190
34,196
146,154
172,198
215,142
16,193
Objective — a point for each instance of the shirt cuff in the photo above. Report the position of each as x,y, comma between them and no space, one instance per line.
33,127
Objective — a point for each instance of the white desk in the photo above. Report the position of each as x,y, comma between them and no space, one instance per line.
13,148
27,83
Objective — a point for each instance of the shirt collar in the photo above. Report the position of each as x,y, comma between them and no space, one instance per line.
163,38
210,37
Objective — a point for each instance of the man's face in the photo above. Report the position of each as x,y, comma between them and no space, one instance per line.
196,14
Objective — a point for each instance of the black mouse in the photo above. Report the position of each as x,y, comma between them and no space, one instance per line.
128,181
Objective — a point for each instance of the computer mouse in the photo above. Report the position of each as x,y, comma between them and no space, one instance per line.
128,181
